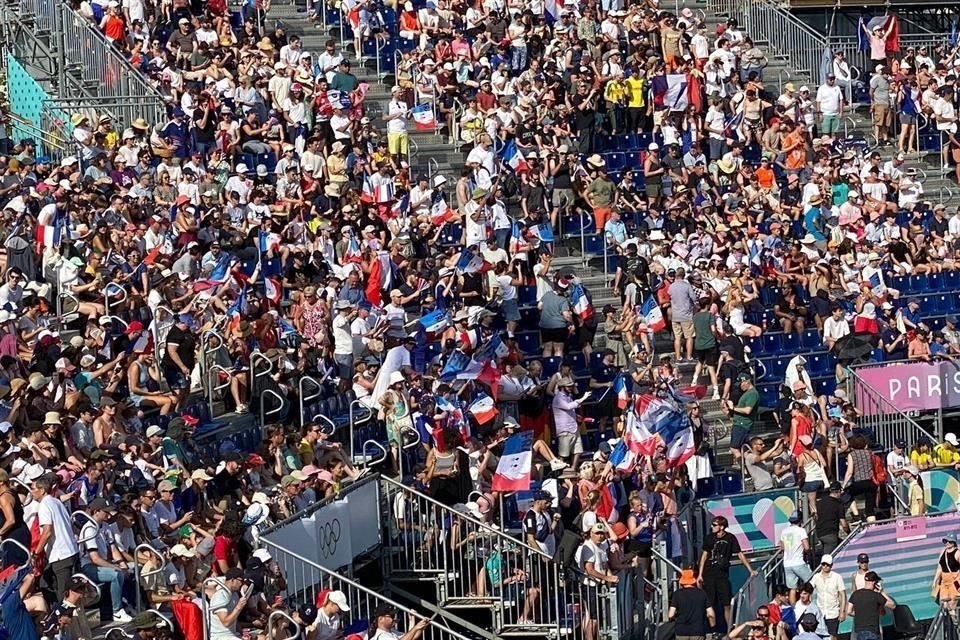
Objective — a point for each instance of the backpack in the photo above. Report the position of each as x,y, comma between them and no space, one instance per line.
879,470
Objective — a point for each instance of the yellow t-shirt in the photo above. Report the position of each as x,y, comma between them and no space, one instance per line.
942,455
615,92
636,92
921,460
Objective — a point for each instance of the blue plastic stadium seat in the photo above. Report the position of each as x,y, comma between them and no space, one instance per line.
529,316
918,283
790,343
811,339
551,365
930,305
627,142
527,296
935,282
593,244
769,296
601,143
878,355
633,161
772,342
529,342
451,236
615,160
769,394
756,346
951,280
578,363
947,302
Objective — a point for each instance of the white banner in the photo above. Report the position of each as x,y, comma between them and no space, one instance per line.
677,97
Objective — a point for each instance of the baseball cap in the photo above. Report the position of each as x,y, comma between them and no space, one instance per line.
339,598
871,576
863,558
826,559
99,504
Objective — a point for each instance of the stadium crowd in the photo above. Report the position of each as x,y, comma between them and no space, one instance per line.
271,230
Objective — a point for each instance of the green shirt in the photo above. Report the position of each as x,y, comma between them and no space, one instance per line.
751,399
703,330
602,192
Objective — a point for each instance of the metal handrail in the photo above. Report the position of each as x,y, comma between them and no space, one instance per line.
147,548
107,294
118,319
166,620
362,589
407,446
780,77
53,144
213,388
155,326
351,414
65,295
365,462
266,414
26,552
860,393
328,427
23,484
88,518
458,110
254,358
282,614
205,604
304,397
96,588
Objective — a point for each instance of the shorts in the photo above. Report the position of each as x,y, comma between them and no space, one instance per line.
175,378
569,444
812,487
739,437
830,124
585,336
344,365
554,335
718,590
510,311
833,625
709,356
881,115
793,577
908,119
398,143
683,329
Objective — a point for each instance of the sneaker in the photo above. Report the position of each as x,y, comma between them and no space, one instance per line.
122,616
242,408
716,393
558,465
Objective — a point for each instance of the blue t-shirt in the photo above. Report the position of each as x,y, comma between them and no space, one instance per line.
18,623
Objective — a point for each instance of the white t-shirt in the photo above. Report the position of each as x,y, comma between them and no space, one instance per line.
829,99
896,461
715,120
63,544
792,539
397,125
222,600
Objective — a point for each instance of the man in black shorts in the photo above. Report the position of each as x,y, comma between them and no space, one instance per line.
719,548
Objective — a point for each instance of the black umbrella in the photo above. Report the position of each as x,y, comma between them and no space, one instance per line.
855,347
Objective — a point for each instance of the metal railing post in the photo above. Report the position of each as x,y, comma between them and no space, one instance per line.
264,414
304,398
145,548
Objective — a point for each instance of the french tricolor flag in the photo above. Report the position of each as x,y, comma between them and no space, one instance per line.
513,471
440,211
401,208
483,409
273,290
353,253
513,158
470,263
639,437
622,458
435,321
580,301
423,117
652,315
620,388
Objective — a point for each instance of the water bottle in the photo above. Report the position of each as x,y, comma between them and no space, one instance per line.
763,325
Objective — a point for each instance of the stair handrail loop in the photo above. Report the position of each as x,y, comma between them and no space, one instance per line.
271,620
61,296
26,552
212,388
86,516
264,414
367,462
205,604
351,414
304,397
328,427
107,293
96,588
146,548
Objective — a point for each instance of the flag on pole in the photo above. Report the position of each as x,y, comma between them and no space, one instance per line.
620,388
731,125
379,279
622,458
652,315
513,158
440,211
581,303
518,242
273,290
401,207
435,321
493,349
489,376
353,253
483,409
470,263
681,447
513,471
544,231
677,97
423,118
456,364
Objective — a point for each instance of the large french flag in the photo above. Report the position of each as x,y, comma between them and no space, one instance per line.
460,366
470,263
484,409
580,301
681,447
652,315
423,117
638,436
518,242
493,349
353,253
513,471
513,158
273,289
380,278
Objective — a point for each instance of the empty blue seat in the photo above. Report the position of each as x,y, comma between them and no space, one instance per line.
593,244
769,296
529,317
900,283
930,305
824,386
878,354
769,394
951,280
790,343
947,302
776,368
529,342
811,339
772,342
452,235
935,282
615,161
918,283
633,161
527,296
627,142
578,363
818,365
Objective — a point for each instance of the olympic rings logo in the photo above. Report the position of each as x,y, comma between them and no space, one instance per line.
328,535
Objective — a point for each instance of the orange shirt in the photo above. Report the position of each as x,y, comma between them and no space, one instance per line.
797,157
765,177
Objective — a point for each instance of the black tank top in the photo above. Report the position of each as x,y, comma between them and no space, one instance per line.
949,563
561,180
